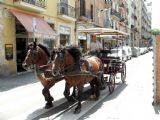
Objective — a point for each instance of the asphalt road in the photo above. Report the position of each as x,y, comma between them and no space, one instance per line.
132,101
21,98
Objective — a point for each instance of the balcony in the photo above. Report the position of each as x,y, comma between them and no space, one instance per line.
66,12
108,24
108,3
115,14
31,5
127,23
84,15
132,26
122,19
122,5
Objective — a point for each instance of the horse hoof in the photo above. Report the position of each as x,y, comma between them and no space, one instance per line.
102,87
77,111
48,105
71,99
93,97
51,99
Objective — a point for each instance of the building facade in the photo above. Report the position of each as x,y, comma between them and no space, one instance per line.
134,23
88,14
144,22
55,23
100,13
22,21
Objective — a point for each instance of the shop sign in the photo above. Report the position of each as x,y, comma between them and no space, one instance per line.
9,51
64,30
82,36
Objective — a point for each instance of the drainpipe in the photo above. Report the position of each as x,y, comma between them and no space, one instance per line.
94,5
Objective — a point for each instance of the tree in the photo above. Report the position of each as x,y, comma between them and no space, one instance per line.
155,32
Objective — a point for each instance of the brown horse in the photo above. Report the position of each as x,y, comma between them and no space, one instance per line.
38,56
76,75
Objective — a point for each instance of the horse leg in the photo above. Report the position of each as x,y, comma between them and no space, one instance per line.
102,82
97,88
67,93
74,92
92,89
48,98
78,108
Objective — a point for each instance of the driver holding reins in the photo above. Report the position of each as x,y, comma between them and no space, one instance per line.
96,46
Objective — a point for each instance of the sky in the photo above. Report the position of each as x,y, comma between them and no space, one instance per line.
156,14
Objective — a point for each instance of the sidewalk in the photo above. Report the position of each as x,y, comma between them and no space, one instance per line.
10,82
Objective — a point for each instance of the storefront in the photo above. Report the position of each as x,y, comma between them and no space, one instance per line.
82,42
28,28
64,32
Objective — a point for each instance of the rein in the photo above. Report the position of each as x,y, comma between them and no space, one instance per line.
35,63
70,71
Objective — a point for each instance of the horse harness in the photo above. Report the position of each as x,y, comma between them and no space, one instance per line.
73,71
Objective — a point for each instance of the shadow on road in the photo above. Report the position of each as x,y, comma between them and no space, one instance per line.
157,109
58,110
109,97
66,106
10,82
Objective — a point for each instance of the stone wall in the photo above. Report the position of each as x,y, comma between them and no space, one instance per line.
156,65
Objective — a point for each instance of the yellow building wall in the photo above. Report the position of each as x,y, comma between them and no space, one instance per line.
9,67
51,14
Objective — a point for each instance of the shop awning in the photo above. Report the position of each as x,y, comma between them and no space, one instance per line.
40,29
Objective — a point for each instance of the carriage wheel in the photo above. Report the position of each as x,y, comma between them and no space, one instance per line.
111,83
123,72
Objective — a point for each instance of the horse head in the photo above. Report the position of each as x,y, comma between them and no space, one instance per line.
35,56
65,59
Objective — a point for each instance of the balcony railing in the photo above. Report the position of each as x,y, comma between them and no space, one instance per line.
115,13
38,3
121,5
122,19
108,3
65,9
108,24
84,14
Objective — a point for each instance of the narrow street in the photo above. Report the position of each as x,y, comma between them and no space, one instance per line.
130,101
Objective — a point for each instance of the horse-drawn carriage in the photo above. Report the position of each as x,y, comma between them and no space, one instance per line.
66,66
112,64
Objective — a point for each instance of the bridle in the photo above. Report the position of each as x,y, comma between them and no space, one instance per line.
61,58
34,53
31,58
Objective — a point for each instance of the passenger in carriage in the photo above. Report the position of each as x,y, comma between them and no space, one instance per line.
107,45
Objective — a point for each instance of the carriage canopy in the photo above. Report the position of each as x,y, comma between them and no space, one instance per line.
102,31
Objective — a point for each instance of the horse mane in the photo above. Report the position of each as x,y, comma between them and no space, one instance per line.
75,52
45,49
